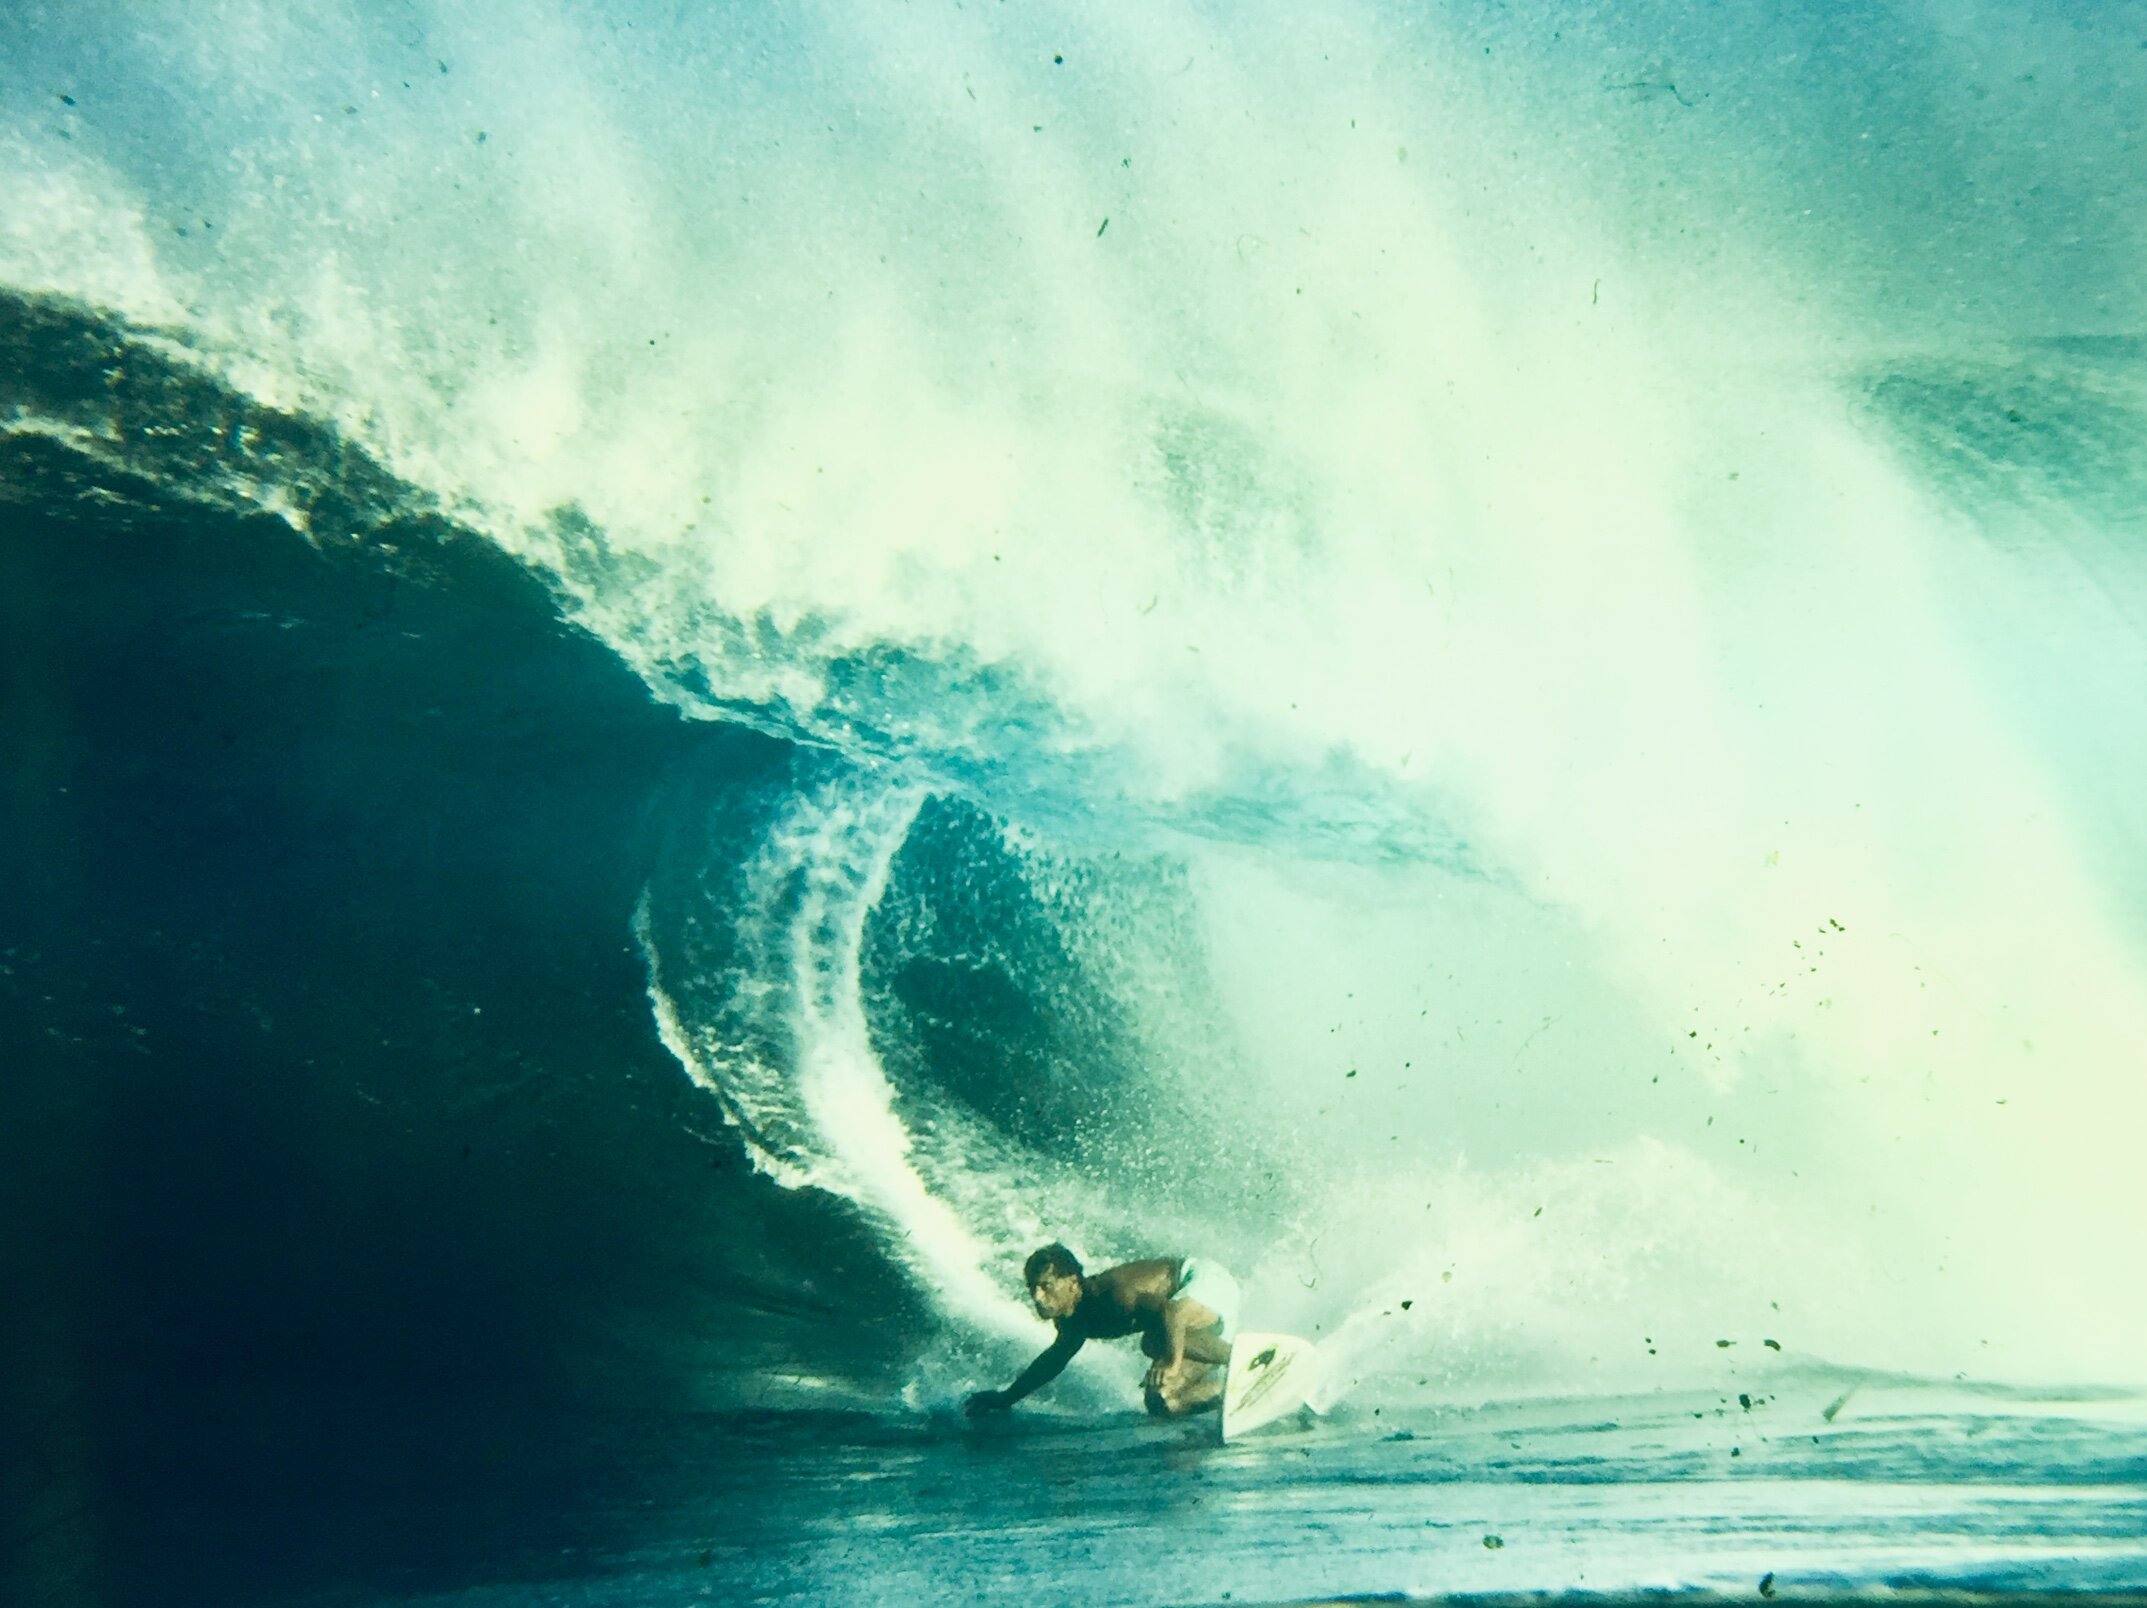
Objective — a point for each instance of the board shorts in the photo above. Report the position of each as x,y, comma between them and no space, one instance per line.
1211,1285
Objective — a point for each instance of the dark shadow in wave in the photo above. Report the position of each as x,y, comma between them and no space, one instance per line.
331,1095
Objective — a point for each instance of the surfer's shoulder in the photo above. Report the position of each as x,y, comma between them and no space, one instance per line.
1141,1284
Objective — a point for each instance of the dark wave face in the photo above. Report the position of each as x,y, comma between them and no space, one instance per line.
676,678
330,1050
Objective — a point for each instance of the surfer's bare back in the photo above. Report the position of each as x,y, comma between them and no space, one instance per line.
1184,1310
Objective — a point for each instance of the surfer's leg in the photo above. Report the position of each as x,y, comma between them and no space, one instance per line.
1206,1343
1195,1387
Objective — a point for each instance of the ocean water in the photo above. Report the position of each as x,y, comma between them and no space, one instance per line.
1910,1493
676,678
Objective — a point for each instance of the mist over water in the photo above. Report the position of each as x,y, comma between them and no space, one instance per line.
1592,566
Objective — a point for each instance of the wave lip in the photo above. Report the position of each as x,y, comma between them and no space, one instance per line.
94,406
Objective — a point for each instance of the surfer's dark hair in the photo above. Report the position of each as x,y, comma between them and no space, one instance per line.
1053,1258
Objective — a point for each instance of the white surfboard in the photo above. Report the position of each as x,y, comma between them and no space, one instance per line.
1270,1377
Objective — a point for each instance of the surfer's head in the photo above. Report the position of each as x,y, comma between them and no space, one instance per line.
1054,1279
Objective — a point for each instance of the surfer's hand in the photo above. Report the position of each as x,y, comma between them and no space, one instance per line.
1159,1371
986,1401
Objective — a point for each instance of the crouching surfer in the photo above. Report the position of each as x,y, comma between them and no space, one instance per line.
1184,1310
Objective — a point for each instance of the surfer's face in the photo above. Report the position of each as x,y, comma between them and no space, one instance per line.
1056,1295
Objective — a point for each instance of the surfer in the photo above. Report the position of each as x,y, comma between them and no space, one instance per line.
1184,1309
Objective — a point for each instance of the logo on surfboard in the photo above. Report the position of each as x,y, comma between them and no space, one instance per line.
1270,1377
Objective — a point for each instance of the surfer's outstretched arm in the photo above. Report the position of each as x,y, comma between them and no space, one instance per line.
1047,1367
